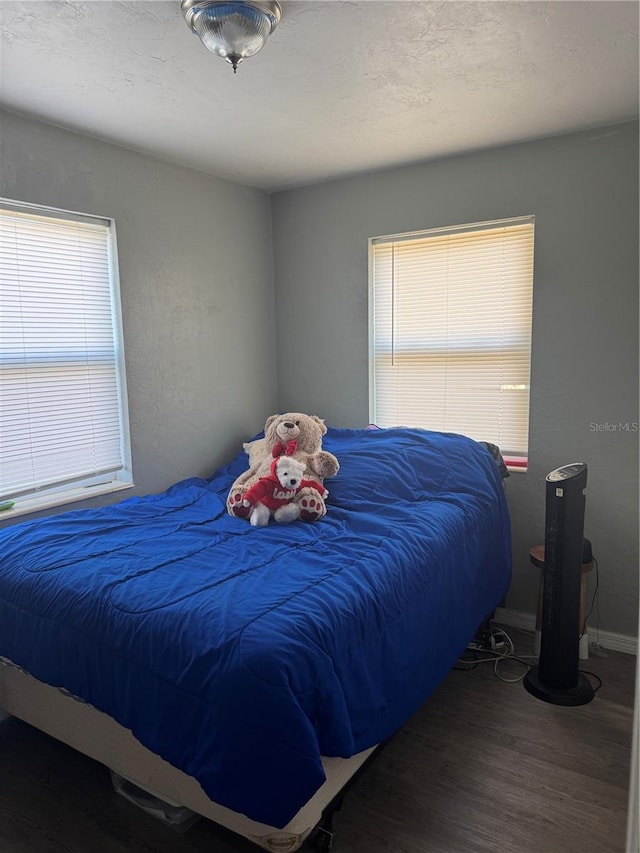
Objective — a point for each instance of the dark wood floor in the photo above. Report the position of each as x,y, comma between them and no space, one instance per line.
483,766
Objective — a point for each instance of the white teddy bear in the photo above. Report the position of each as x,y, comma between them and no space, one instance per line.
274,495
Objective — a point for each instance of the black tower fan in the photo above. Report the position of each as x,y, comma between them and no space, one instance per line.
557,678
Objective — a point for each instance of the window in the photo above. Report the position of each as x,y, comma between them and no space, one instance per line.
63,416
451,332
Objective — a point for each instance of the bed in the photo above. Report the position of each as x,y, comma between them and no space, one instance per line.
244,672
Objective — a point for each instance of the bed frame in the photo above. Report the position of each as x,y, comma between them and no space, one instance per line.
74,722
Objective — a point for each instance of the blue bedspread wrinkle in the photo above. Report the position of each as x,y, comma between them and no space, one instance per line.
241,654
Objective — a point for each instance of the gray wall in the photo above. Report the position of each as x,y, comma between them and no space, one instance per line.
196,280
198,302
583,190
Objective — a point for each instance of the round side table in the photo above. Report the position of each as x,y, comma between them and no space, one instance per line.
536,556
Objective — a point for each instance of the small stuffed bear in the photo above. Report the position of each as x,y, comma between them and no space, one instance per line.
292,434
274,495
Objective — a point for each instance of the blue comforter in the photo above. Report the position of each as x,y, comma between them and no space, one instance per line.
241,654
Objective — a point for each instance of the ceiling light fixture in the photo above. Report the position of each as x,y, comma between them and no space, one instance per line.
232,29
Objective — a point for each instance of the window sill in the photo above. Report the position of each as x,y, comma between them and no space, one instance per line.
44,502
516,463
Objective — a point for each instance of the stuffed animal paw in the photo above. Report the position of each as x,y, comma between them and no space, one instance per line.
323,464
311,503
235,505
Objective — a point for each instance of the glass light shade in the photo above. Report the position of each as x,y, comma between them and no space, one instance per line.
233,29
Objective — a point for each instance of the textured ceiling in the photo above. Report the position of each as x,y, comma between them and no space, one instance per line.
340,88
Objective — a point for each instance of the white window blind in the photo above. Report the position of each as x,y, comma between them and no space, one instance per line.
62,399
451,331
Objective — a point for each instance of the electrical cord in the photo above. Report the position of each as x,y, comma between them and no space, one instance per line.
593,675
593,600
502,648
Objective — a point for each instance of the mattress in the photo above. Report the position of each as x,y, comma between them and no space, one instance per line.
241,655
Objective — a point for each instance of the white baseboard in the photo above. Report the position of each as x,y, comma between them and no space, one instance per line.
607,639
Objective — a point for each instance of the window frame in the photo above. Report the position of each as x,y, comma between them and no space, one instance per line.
49,496
513,461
